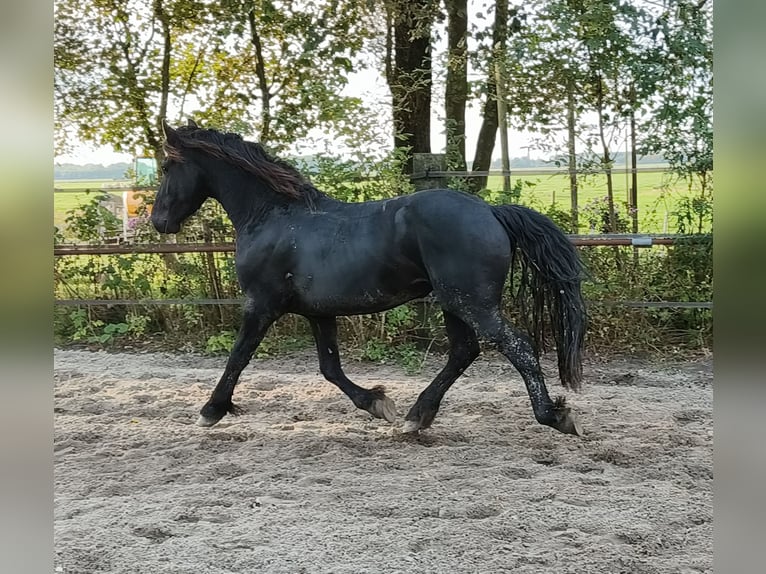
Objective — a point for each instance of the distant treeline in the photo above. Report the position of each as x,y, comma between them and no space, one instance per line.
90,171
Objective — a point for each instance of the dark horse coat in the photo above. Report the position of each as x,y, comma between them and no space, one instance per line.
301,251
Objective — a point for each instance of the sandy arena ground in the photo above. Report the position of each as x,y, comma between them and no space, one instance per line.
304,482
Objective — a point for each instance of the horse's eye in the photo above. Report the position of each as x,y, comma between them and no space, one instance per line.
164,168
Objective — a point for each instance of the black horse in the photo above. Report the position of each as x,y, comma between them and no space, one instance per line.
301,251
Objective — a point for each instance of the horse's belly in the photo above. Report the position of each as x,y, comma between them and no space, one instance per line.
360,300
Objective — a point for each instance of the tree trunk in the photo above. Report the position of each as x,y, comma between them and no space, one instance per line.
409,78
606,158
485,144
170,259
633,179
162,17
456,92
572,154
482,159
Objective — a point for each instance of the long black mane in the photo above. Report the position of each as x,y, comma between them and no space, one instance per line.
252,157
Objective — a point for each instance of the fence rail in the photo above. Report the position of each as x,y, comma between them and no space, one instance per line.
606,239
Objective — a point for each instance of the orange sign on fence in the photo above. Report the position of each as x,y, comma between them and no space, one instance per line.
134,203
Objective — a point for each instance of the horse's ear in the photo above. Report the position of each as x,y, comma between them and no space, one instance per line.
171,136
190,123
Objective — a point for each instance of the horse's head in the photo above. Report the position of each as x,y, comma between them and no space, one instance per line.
182,190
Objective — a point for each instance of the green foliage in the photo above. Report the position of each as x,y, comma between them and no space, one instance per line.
406,355
500,196
680,123
596,214
221,343
376,351
91,221
138,325
679,273
80,326
694,214
359,179
121,67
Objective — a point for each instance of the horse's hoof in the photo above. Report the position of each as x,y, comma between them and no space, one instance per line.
383,408
410,427
203,421
575,426
570,424
565,420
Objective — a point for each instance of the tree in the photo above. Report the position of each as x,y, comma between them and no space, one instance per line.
680,124
114,86
580,58
273,67
484,58
295,62
546,64
409,73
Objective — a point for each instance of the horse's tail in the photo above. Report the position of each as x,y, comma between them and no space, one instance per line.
551,272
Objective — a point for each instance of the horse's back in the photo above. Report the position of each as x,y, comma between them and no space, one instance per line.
456,220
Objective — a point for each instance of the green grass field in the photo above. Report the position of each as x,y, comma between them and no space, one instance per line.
659,194
64,202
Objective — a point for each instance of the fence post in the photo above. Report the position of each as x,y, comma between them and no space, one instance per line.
422,163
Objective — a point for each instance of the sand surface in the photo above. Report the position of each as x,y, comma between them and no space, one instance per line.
304,482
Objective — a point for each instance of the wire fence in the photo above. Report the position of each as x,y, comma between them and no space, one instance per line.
638,241
163,302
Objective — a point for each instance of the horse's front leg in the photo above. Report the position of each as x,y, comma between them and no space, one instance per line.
255,323
374,401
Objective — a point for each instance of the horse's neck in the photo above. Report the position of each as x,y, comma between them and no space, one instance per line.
246,200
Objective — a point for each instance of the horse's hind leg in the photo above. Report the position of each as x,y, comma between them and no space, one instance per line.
464,348
518,349
374,401
255,323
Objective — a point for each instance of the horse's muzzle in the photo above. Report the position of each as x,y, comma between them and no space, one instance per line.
164,226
